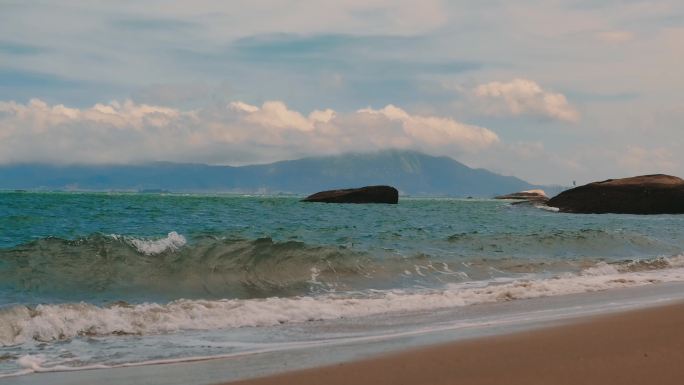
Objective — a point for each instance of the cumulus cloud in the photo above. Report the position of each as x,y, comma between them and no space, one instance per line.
237,133
435,131
275,114
523,97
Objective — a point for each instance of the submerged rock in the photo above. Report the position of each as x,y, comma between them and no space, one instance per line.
368,194
646,194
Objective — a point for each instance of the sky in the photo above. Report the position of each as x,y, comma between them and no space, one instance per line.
551,91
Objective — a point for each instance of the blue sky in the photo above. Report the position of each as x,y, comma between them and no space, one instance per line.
551,91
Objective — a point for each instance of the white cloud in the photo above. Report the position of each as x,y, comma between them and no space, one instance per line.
127,115
124,132
436,131
523,97
276,115
244,107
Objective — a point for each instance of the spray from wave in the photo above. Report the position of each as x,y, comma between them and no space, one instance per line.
172,242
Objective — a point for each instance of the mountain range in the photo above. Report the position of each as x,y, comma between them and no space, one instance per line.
412,173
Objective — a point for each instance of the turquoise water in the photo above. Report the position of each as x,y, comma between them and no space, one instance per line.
83,269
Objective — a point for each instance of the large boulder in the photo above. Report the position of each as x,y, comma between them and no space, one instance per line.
536,195
369,194
646,194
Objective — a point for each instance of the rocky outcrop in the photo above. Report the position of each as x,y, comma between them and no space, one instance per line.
646,194
537,195
369,194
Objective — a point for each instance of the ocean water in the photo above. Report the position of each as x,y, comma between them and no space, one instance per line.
94,280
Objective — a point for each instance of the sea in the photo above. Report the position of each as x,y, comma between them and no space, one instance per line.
90,281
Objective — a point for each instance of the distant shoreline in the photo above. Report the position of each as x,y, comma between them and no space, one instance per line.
410,172
221,193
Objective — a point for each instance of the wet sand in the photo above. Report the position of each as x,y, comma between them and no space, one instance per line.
637,347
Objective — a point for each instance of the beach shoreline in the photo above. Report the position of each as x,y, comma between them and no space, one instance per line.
472,326
643,346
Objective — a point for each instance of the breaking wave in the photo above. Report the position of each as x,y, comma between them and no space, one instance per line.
115,267
57,322
170,267
172,242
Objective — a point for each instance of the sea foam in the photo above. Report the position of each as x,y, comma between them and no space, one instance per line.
46,323
173,241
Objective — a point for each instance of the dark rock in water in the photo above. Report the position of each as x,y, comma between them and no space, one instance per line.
646,194
535,196
369,194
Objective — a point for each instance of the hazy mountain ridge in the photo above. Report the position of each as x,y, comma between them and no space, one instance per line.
411,172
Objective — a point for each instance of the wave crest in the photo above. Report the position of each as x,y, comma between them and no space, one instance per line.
172,242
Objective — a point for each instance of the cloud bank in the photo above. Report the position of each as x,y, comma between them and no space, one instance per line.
524,97
237,133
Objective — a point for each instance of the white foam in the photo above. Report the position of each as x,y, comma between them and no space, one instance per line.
315,273
675,260
548,208
33,363
172,242
64,321
601,268
535,191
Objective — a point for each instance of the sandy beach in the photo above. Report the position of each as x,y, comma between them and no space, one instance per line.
637,347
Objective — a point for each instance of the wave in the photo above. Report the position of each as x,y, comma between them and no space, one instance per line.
56,322
171,267
111,267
